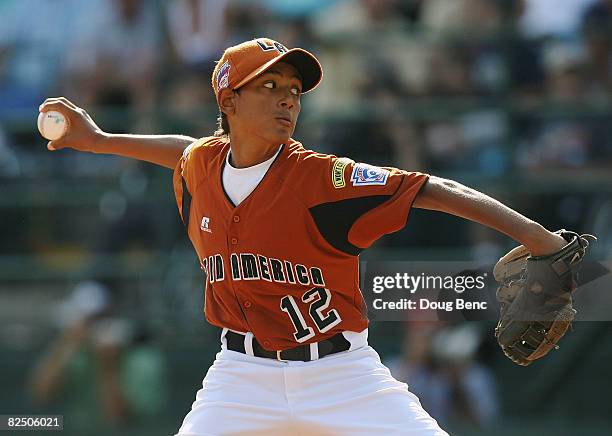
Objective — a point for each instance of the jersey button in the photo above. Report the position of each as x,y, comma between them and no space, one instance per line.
247,304
234,241
266,343
236,218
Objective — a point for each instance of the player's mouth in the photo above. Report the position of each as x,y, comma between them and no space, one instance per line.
285,121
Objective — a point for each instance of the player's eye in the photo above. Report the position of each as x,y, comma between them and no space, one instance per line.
296,91
269,84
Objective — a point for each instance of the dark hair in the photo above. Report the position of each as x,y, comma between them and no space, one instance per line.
223,127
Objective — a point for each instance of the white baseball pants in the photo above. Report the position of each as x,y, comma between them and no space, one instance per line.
348,393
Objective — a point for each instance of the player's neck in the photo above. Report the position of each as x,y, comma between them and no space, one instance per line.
244,155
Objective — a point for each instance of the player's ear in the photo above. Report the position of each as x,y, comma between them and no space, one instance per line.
227,101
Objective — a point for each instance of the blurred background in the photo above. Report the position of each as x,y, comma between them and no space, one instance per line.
100,291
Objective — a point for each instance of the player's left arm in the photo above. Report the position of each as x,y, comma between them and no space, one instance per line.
454,198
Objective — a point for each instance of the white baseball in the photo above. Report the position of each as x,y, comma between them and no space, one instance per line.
52,125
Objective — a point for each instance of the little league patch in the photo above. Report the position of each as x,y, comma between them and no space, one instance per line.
364,174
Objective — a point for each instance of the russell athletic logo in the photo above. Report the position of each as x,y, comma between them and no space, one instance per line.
205,223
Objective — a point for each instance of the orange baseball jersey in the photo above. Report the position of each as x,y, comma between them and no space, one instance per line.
284,263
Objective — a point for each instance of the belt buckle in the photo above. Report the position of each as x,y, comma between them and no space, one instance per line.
278,356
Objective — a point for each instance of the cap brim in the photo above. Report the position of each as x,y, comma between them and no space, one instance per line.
304,62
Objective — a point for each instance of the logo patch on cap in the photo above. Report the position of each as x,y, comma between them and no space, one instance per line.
274,46
223,76
364,174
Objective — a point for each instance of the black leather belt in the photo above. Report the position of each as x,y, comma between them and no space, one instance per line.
335,344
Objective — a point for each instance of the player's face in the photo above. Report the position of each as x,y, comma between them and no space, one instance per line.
268,106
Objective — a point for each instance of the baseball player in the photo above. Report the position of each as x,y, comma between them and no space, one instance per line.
278,230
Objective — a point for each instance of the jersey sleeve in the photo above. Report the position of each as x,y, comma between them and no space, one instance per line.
355,203
185,178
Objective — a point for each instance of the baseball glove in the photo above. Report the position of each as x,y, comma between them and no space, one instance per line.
535,295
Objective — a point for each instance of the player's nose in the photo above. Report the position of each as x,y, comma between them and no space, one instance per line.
286,103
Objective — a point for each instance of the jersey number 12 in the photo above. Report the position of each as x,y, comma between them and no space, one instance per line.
319,299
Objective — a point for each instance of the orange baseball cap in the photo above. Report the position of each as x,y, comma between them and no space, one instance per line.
243,62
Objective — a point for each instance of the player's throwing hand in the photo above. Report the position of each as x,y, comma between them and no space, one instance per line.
83,133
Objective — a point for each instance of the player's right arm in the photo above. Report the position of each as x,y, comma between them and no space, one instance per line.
456,199
84,135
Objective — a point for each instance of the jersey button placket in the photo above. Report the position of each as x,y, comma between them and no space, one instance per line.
247,304
235,219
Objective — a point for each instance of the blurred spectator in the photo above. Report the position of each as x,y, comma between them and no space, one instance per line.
247,20
35,39
448,71
548,17
524,70
561,141
9,163
192,103
444,145
473,142
597,33
357,16
70,357
361,141
197,31
564,143
296,32
370,140
564,81
118,56
406,142
346,65
461,16
98,367
439,365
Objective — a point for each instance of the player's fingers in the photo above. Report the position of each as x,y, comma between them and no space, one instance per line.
60,99
57,144
57,102
68,103
57,106
47,102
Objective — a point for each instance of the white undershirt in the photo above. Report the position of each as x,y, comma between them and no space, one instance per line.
240,182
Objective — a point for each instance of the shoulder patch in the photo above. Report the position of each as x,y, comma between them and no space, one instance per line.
338,172
364,175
